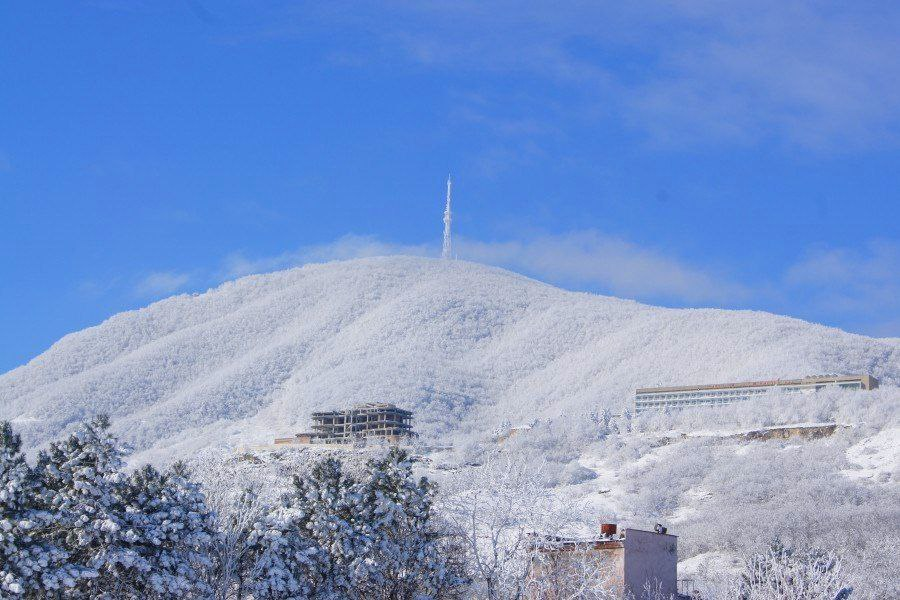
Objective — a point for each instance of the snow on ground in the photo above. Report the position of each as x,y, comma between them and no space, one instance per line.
468,348
876,457
602,496
688,503
697,567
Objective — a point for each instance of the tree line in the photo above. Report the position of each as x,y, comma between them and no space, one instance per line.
76,525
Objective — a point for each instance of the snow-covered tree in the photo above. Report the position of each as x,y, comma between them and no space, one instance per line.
379,536
82,476
231,551
495,509
31,565
139,536
165,522
405,547
286,563
785,574
197,519
298,547
328,510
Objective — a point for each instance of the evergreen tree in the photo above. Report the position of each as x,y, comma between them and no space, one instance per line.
327,513
83,479
166,523
77,527
30,566
405,547
198,522
287,564
138,536
379,534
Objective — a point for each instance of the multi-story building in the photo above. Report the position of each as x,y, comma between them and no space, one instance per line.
373,420
661,398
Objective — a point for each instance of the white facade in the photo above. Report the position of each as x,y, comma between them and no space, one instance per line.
725,393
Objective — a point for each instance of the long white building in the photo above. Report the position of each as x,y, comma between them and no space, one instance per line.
661,398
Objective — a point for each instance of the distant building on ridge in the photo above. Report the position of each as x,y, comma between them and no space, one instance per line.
661,398
380,420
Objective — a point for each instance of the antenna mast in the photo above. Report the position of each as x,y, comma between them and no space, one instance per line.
446,252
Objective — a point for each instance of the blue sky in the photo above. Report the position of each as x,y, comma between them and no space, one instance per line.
740,155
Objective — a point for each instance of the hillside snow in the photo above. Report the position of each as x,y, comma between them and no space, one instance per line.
463,345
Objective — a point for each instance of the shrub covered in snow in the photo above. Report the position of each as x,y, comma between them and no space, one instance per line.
782,573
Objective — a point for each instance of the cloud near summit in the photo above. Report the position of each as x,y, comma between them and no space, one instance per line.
161,283
823,283
589,259
583,259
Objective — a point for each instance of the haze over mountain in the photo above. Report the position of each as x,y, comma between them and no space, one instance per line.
463,345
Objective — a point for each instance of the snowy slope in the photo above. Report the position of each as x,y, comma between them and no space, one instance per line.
463,345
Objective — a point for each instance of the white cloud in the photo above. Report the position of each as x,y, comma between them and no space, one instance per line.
92,289
862,283
877,263
161,283
801,71
590,259
584,259
344,248
856,287
812,74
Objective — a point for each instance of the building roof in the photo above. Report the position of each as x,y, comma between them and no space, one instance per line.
867,380
367,407
551,543
568,545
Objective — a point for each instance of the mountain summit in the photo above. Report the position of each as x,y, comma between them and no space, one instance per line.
463,345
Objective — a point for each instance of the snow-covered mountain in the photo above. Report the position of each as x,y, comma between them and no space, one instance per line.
463,345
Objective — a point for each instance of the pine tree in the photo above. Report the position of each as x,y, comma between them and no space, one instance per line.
287,564
31,567
327,513
198,522
405,547
166,524
378,533
82,476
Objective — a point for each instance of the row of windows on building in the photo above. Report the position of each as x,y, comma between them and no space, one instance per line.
662,398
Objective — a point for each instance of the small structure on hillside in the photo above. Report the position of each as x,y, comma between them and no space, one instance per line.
354,425
629,563
662,398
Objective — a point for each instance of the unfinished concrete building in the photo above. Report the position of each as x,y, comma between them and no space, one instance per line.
625,563
381,420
